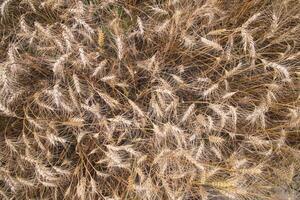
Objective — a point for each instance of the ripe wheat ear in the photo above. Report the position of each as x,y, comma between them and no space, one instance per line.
149,100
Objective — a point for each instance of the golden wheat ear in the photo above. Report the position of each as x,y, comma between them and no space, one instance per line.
176,99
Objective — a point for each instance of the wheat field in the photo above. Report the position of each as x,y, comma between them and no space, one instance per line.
150,99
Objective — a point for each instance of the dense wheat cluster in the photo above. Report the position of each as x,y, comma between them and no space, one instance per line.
150,100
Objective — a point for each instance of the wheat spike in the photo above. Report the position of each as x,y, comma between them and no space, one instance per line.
109,100
248,42
120,47
81,188
279,68
159,10
4,6
101,38
75,121
250,20
258,114
54,139
58,65
136,108
215,139
188,113
141,26
77,83
210,89
149,99
83,57
211,44
99,68
87,27
25,182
